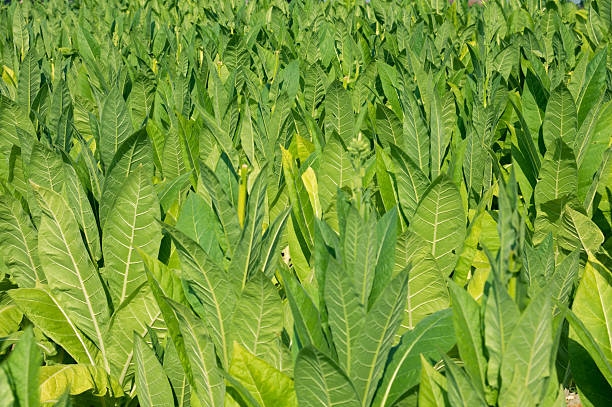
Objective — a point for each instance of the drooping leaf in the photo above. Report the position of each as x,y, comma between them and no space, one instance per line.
50,316
71,275
78,378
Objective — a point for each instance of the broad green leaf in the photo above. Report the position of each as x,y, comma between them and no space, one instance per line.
247,134
474,163
140,101
225,211
580,333
416,134
579,232
29,80
461,390
167,276
557,183
526,360
247,253
346,314
427,292
562,284
198,221
21,34
46,168
303,212
432,337
560,118
271,239
174,329
50,316
595,148
595,77
338,112
359,252
319,381
82,210
314,88
373,345
440,221
268,386
23,366
136,150
135,315
10,317
388,77
211,286
171,191
500,317
55,380
176,375
605,10
72,277
388,127
130,226
7,399
467,323
593,307
306,316
190,147
336,171
115,126
383,179
19,244
152,386
539,264
386,240
208,379
258,317
586,131
598,185
442,117
411,182
432,387
93,170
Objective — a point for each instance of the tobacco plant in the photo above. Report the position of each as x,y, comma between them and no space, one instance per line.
306,203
